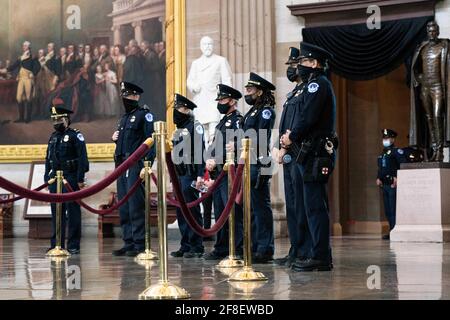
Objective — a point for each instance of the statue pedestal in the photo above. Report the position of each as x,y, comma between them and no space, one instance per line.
423,203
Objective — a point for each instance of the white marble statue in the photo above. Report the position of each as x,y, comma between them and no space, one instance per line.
206,73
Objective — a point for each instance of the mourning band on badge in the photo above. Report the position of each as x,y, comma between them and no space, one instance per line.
267,114
287,159
80,137
313,87
149,117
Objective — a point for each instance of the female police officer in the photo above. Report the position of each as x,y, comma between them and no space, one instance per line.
313,128
189,147
257,125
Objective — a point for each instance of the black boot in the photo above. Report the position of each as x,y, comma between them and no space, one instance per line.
21,112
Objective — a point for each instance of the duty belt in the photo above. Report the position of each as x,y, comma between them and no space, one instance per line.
68,165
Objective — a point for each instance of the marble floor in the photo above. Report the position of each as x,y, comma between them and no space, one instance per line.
365,268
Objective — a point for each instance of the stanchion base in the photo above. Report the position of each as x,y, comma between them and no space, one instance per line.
146,256
58,252
147,264
248,288
164,291
230,263
247,274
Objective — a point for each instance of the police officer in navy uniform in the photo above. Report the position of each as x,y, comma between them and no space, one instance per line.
313,130
388,164
189,148
66,152
135,127
261,120
293,183
227,99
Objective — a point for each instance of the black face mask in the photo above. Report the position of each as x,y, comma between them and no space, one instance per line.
292,74
305,72
250,100
130,105
223,108
59,127
180,118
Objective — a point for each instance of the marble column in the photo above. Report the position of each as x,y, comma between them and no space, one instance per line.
247,37
117,34
138,31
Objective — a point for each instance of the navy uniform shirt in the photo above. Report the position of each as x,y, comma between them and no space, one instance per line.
389,162
318,115
67,152
191,132
291,108
260,119
230,122
134,128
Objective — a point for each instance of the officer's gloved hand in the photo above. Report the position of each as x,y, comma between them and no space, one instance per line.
115,136
200,183
142,174
394,185
210,165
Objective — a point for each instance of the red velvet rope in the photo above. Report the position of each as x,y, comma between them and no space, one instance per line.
45,185
73,196
175,203
113,208
240,196
187,213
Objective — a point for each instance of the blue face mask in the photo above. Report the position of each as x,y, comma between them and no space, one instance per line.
387,143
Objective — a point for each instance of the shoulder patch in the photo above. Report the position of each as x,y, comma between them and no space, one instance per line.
199,129
80,137
313,87
149,117
267,114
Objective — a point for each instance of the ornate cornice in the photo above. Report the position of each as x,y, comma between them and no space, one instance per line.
333,13
28,153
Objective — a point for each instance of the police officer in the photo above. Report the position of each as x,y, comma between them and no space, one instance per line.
313,129
227,99
388,164
257,125
134,128
66,152
293,183
189,147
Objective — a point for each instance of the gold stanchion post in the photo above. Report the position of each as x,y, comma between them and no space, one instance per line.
247,273
148,254
58,251
164,290
232,261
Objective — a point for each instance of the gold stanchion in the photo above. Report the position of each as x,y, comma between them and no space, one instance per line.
247,273
232,261
148,254
164,290
58,251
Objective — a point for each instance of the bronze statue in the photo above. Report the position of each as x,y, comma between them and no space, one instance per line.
430,95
